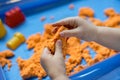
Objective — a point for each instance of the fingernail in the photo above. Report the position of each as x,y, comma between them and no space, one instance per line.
59,42
62,34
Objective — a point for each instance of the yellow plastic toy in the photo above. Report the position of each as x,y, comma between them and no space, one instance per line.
20,36
17,39
2,30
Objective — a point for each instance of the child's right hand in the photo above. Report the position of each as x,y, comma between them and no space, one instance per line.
79,28
54,64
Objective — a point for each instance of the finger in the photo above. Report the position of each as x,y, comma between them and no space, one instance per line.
44,60
55,29
46,54
58,49
67,22
70,33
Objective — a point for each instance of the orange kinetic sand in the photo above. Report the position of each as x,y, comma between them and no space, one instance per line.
3,55
113,18
72,47
112,21
96,22
86,11
110,12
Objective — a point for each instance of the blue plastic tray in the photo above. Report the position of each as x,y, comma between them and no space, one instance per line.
60,10
2,75
28,5
101,69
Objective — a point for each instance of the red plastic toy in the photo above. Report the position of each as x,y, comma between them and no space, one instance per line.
14,17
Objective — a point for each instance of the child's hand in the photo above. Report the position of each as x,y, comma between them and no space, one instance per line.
54,64
79,28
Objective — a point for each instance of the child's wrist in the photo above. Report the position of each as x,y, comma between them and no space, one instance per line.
61,77
95,37
97,34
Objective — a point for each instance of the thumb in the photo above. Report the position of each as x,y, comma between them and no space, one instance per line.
58,49
70,33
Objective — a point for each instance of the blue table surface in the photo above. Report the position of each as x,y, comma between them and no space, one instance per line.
33,25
